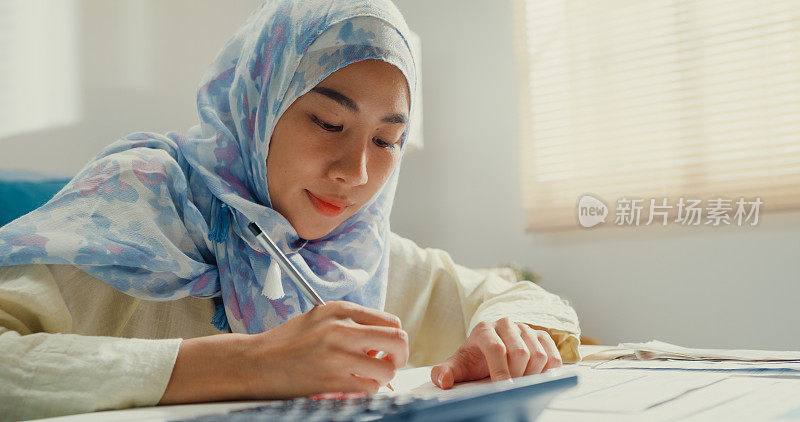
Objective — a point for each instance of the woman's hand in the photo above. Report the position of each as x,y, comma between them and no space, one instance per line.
327,349
501,350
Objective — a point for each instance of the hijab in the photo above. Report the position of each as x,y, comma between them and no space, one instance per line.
163,217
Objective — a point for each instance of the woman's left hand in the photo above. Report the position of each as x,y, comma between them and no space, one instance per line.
501,350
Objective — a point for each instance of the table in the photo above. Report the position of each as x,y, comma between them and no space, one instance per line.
602,395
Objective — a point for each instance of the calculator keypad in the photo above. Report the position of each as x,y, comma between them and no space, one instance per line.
320,407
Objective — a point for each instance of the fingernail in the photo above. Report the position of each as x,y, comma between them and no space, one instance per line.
509,381
439,380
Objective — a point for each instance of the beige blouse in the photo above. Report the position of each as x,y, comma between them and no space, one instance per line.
73,344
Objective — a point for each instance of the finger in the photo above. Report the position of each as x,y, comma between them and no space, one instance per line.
361,314
516,348
363,338
468,363
494,351
379,355
443,375
367,367
538,358
436,376
553,355
356,383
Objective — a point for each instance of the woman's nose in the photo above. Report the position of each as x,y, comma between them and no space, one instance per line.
351,166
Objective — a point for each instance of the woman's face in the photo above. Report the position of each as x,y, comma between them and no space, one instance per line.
334,147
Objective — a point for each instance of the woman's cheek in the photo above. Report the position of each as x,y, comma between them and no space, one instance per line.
387,167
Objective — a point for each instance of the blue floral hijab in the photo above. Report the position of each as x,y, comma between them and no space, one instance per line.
163,217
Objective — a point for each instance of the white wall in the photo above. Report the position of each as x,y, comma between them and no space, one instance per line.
714,287
723,287
139,64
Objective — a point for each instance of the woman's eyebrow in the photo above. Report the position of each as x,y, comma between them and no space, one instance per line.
350,104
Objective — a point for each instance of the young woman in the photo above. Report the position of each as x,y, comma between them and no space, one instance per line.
108,292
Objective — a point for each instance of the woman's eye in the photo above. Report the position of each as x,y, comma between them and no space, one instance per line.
379,142
327,126
334,128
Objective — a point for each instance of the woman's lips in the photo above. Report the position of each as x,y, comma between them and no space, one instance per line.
327,208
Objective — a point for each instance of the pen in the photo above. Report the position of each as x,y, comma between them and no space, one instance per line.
290,269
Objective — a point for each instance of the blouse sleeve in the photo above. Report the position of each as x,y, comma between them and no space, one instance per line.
439,303
46,372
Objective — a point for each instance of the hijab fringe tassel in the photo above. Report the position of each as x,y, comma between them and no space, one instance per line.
219,233
220,320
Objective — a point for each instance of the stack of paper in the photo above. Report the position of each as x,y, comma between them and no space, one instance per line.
657,381
655,349
659,355
732,398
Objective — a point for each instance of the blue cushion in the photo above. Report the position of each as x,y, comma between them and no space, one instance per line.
21,193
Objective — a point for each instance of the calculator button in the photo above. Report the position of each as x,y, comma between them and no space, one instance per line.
378,404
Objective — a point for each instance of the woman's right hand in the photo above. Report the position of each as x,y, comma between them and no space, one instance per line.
326,349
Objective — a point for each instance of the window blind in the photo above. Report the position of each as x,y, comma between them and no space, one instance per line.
657,99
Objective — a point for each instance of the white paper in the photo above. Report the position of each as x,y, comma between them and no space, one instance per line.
774,399
689,404
756,388
655,349
629,391
406,380
703,399
417,382
787,368
591,356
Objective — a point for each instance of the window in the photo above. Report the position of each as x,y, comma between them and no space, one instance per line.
664,99
38,65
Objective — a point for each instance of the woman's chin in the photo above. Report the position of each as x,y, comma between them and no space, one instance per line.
314,233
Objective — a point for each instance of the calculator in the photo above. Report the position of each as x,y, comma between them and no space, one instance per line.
521,401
